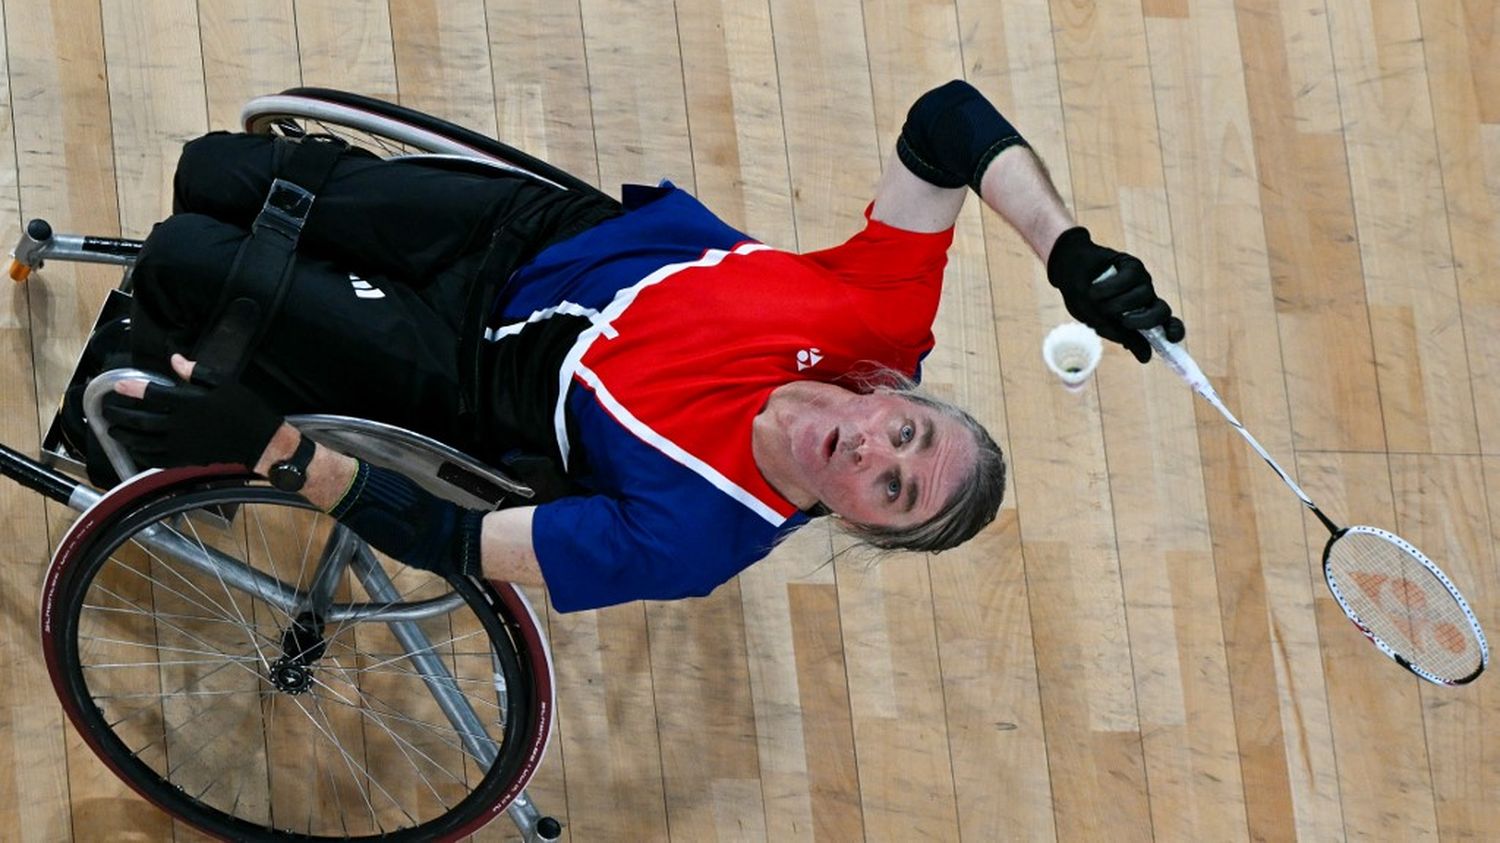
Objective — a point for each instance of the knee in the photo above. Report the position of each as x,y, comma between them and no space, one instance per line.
224,175
182,265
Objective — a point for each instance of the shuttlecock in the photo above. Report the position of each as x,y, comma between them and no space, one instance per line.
1072,352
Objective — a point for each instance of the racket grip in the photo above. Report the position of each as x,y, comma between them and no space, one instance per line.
1173,354
1177,359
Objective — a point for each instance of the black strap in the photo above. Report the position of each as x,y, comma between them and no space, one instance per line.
258,278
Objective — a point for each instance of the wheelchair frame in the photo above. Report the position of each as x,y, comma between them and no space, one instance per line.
434,465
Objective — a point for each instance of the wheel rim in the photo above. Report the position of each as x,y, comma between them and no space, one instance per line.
230,709
394,132
297,117
286,125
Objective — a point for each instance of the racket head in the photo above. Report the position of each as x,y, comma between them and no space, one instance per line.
1404,603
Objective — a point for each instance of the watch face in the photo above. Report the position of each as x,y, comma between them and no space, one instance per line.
287,477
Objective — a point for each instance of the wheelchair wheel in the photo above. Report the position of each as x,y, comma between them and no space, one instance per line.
390,130
254,670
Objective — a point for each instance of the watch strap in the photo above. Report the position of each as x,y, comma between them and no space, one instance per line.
303,455
290,474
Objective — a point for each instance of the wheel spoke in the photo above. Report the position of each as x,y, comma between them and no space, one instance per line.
227,593
174,659
401,744
434,728
270,558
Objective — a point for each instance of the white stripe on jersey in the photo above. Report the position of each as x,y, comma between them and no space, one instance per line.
566,308
603,326
661,443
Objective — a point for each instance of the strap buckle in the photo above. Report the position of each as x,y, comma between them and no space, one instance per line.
286,209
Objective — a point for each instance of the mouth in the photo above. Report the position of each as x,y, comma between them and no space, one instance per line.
830,444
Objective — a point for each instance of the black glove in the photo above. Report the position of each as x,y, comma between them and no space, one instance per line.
1117,308
190,425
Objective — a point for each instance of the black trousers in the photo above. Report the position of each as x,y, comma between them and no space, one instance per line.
394,268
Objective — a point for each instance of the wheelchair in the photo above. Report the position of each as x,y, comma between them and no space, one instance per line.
243,661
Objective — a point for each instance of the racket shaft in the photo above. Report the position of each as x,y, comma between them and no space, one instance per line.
1178,360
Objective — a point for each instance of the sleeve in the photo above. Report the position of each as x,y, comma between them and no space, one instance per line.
895,276
598,550
884,257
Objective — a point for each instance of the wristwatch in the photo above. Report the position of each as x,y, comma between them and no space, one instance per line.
290,474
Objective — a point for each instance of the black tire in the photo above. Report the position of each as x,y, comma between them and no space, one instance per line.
167,672
376,119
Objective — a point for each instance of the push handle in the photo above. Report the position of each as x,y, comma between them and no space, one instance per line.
27,255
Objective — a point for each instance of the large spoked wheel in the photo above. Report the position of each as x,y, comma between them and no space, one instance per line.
390,131
253,669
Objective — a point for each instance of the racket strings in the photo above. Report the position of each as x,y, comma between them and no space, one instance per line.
1390,590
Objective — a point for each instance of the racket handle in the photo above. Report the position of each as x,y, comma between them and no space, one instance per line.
1171,353
1177,359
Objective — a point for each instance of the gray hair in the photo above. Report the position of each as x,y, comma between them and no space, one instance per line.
972,507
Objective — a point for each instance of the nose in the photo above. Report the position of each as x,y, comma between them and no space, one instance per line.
862,449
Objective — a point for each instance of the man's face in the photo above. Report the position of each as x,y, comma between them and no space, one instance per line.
878,459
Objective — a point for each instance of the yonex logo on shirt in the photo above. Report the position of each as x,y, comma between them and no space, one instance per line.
808,358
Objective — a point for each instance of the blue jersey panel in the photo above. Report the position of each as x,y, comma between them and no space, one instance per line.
668,533
661,226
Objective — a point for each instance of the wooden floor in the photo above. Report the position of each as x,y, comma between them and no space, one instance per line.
1141,646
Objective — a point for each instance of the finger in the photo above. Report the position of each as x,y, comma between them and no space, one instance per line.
165,398
1139,346
1132,302
131,389
183,366
1116,335
1153,315
1174,330
1129,274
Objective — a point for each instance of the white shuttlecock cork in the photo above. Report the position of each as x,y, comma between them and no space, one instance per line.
1072,351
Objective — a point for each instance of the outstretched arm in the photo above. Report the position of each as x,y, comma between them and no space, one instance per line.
1015,185
954,139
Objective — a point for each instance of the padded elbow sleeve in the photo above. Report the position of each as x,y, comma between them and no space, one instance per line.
410,524
951,135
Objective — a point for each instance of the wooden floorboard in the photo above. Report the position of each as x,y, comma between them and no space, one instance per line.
1140,646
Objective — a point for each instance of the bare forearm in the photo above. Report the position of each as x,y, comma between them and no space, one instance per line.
1017,186
505,549
506,552
328,475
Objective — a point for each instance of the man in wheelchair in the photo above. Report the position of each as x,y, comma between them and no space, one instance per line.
701,393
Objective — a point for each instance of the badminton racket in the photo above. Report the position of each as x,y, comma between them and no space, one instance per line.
1393,593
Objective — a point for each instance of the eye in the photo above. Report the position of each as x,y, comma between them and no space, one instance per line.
908,433
893,488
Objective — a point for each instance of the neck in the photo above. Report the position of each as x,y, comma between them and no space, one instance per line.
771,446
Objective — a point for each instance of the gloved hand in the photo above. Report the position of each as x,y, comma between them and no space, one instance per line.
190,425
1117,308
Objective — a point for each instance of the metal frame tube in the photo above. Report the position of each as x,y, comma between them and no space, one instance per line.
211,562
441,683
331,564
77,249
434,673
290,599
